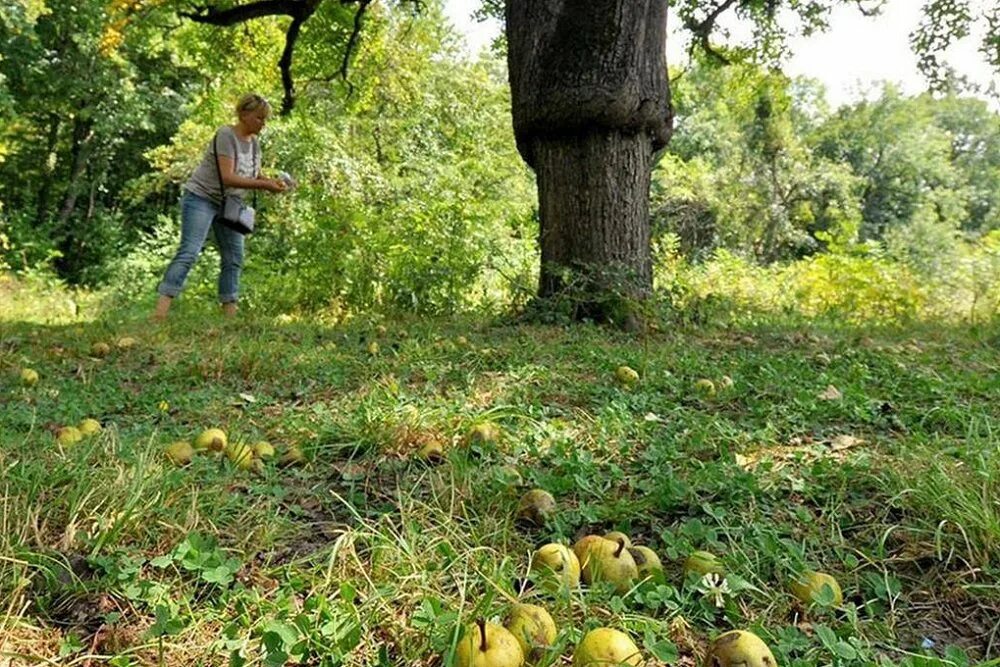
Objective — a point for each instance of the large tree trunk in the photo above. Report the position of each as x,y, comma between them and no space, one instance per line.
591,105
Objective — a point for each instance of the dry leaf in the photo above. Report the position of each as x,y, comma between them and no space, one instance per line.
831,393
844,442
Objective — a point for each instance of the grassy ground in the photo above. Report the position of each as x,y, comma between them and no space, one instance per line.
110,554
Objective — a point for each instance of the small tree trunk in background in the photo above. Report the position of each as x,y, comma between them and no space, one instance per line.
44,193
69,265
591,105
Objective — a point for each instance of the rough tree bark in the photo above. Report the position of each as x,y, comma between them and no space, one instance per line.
591,106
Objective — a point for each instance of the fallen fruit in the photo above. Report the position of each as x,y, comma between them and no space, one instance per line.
293,456
626,375
100,349
239,454
488,645
646,561
558,566
702,563
373,348
536,507
213,439
811,583
739,648
483,433
431,452
180,452
616,535
533,628
69,435
705,387
603,647
263,450
125,342
604,560
89,427
726,382
29,376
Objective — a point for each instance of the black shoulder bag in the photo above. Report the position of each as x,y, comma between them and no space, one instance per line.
234,213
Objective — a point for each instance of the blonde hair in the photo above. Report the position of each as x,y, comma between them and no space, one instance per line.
252,102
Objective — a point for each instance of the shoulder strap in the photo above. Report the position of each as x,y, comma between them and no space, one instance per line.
254,167
215,152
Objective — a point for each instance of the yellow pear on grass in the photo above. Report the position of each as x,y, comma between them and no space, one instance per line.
488,645
89,427
240,455
616,535
606,647
180,452
604,560
705,387
702,563
293,456
29,377
536,507
811,583
483,433
646,561
213,439
373,348
626,376
739,648
533,628
263,450
726,382
100,349
558,566
68,435
431,452
125,342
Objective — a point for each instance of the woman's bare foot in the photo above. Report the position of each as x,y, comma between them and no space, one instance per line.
229,309
162,308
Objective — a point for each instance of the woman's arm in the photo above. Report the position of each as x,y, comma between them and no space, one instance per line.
231,179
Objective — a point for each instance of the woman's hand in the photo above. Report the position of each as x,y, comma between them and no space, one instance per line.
273,185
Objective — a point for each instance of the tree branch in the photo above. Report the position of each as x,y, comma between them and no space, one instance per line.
352,41
703,30
240,13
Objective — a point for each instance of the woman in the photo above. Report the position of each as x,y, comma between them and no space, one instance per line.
239,165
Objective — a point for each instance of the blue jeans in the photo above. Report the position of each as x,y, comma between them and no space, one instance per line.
197,214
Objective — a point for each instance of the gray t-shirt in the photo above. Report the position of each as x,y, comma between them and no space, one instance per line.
204,182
